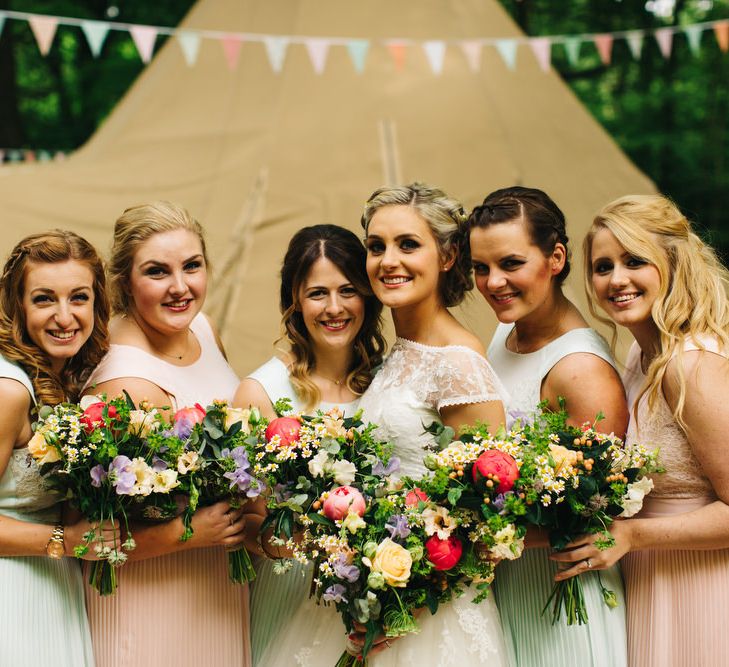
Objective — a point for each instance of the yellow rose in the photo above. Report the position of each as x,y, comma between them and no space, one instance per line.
41,451
235,415
562,456
393,562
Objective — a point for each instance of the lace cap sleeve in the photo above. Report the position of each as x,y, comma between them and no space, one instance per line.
464,376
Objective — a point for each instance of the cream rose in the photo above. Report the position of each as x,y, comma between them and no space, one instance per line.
562,456
41,451
238,415
142,423
393,562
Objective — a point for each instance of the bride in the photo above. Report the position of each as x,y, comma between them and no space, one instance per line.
419,265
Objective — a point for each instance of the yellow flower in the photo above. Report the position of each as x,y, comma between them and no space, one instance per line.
142,422
235,415
41,451
164,480
353,522
188,462
392,561
563,456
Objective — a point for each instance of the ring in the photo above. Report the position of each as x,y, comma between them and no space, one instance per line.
388,644
588,562
230,520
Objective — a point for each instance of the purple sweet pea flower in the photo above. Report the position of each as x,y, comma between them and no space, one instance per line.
381,470
244,481
240,456
512,416
281,493
98,475
158,465
397,526
334,593
121,477
345,571
499,501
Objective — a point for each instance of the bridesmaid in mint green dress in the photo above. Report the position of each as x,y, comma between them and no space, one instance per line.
543,349
53,328
332,326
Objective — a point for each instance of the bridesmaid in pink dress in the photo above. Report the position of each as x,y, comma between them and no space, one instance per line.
175,604
652,274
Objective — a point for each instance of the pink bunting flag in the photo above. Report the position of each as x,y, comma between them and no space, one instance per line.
318,50
542,48
721,30
29,156
604,46
144,37
44,30
472,51
664,37
231,48
397,51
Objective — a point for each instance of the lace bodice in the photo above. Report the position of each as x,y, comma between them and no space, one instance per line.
683,476
522,374
414,384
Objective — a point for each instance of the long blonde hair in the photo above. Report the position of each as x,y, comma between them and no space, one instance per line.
51,247
692,299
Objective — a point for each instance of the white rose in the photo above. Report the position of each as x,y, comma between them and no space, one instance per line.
88,400
343,472
318,464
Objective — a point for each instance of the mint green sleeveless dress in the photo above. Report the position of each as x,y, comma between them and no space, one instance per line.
521,587
42,612
275,597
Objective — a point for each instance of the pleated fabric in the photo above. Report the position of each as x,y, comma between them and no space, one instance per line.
521,589
274,600
42,615
177,610
678,601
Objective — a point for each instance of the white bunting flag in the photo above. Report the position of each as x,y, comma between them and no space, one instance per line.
435,53
358,49
276,51
507,51
96,32
318,49
189,42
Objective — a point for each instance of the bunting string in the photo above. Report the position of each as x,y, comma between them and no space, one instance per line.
318,47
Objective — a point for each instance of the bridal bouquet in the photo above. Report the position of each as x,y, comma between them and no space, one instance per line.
114,462
578,481
218,443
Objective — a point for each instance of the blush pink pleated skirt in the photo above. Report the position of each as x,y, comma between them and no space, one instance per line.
177,610
678,601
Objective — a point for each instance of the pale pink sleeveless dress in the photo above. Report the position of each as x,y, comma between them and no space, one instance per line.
180,609
678,601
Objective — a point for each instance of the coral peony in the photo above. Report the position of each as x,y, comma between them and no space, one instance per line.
498,464
344,500
444,554
185,420
93,416
415,496
287,428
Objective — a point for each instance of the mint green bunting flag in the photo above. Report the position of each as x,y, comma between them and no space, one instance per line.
358,49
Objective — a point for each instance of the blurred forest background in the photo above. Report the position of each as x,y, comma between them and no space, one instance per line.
671,116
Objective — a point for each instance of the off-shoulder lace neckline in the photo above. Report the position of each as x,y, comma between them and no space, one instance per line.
423,346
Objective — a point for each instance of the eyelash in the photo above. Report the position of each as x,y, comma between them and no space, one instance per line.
44,298
406,245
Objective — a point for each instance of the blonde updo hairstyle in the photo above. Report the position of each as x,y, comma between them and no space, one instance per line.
692,299
448,223
51,247
134,227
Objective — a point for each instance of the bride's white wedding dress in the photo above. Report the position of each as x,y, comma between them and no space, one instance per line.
415,382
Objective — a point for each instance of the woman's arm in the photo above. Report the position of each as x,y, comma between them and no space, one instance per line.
589,385
458,416
250,393
707,423
138,389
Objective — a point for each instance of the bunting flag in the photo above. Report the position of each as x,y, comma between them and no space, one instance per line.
604,46
231,48
693,37
472,51
664,37
721,30
397,51
542,48
189,42
318,50
95,32
435,53
572,47
507,51
44,30
635,43
144,37
276,51
358,49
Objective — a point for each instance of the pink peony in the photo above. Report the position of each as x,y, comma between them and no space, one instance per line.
415,496
93,416
344,500
185,420
498,464
287,428
444,554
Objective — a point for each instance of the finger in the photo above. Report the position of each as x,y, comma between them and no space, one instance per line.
580,541
575,555
578,568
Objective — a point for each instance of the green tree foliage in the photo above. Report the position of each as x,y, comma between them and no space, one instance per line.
670,116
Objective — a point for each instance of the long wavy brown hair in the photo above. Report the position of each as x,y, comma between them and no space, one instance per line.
16,345
346,252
